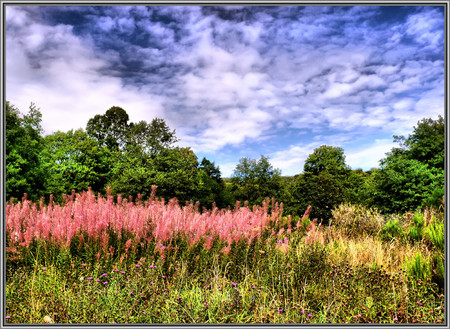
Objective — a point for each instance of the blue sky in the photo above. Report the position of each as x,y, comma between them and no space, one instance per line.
235,81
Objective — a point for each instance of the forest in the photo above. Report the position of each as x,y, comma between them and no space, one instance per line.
131,158
114,216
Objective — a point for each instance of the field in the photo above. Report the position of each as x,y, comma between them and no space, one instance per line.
97,259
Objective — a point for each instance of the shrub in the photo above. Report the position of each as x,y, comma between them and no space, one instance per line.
434,235
418,267
418,219
391,230
357,220
415,233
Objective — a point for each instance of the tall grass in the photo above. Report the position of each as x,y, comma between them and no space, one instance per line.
98,259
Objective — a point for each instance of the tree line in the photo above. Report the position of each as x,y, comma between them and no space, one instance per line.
132,157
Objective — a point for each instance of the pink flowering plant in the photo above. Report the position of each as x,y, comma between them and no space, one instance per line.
95,259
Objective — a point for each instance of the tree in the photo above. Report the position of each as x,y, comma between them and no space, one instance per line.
173,171
211,187
426,144
254,180
151,137
412,175
24,172
113,130
329,158
324,183
73,160
406,184
211,170
110,129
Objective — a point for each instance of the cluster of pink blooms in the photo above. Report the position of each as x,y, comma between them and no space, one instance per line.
91,215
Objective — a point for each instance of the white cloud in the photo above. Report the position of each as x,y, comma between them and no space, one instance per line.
291,160
368,156
66,85
321,74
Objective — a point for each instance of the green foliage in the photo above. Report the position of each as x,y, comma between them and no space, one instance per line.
418,267
415,232
173,171
23,141
255,180
412,176
113,131
404,184
391,230
74,161
325,183
329,158
434,233
418,219
151,138
210,187
110,129
427,142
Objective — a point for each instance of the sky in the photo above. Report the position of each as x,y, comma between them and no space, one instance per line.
235,81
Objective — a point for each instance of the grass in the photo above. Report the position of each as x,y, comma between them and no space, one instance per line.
311,274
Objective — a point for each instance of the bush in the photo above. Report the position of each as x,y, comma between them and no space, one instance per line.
434,235
415,232
418,267
391,230
357,220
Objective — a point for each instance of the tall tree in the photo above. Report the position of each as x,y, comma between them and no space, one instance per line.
254,180
24,173
151,138
324,183
110,129
73,160
211,187
412,175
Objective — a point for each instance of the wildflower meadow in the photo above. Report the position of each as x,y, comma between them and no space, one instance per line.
95,259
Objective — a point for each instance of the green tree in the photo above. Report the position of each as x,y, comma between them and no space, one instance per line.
329,158
412,175
324,183
254,180
405,184
73,160
110,129
211,187
426,144
173,171
23,141
151,137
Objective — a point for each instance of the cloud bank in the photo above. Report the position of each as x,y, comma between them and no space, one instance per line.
235,81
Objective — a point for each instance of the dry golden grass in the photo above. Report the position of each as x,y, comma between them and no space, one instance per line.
367,250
